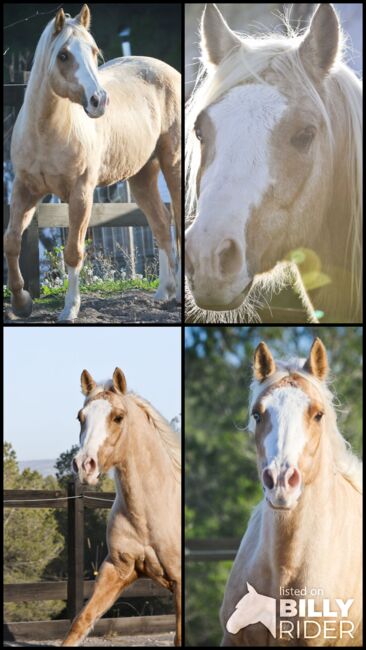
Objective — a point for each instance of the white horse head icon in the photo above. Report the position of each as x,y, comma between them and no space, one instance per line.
253,608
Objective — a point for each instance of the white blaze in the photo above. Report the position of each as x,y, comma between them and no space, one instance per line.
237,178
86,73
95,428
286,440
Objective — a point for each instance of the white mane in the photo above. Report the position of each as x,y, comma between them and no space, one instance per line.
345,461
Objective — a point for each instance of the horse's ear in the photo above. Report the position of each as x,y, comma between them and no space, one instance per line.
84,17
264,365
119,381
317,363
251,589
217,39
87,383
319,48
59,21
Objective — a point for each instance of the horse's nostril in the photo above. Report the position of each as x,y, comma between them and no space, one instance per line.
293,477
268,479
94,100
230,257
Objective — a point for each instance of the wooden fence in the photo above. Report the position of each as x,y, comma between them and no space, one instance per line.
75,589
56,215
209,550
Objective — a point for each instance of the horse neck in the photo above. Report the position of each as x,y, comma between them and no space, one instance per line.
145,467
42,106
288,536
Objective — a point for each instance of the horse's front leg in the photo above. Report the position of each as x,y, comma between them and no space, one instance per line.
80,206
106,591
177,590
23,205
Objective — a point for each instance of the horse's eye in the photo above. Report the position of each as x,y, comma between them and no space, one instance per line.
303,139
198,132
318,416
118,419
63,56
256,416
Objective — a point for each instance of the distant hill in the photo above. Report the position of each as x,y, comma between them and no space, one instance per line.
44,467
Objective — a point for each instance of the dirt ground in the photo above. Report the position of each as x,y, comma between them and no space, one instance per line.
166,639
135,306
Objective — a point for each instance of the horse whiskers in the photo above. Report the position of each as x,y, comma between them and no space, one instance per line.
282,276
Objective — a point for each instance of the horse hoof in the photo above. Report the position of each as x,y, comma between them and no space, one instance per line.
22,304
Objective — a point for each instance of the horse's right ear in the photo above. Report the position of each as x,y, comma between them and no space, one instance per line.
59,21
87,383
264,365
217,39
251,589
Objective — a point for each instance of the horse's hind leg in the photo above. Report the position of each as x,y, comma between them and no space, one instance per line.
23,205
106,591
169,154
144,186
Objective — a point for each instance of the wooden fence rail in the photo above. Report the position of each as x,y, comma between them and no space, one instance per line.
75,589
209,550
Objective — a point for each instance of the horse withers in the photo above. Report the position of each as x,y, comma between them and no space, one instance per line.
81,126
122,430
304,539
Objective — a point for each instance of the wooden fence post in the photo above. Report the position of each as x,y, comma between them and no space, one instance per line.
75,511
29,258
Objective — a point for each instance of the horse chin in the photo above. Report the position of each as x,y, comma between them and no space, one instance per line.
90,480
94,117
281,507
234,304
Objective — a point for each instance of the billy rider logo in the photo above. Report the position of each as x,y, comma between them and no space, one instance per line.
296,617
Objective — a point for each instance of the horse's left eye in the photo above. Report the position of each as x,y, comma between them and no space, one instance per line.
318,416
118,419
303,139
63,56
256,416
198,132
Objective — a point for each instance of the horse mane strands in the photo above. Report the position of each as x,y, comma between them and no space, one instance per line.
163,428
351,89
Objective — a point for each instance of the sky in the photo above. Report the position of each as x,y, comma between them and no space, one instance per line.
42,368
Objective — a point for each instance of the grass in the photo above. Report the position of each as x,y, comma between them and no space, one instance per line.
51,296
98,274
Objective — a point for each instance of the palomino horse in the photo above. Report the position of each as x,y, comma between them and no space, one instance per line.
306,532
58,147
274,172
120,429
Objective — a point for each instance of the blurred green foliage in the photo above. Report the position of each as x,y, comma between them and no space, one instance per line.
221,476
